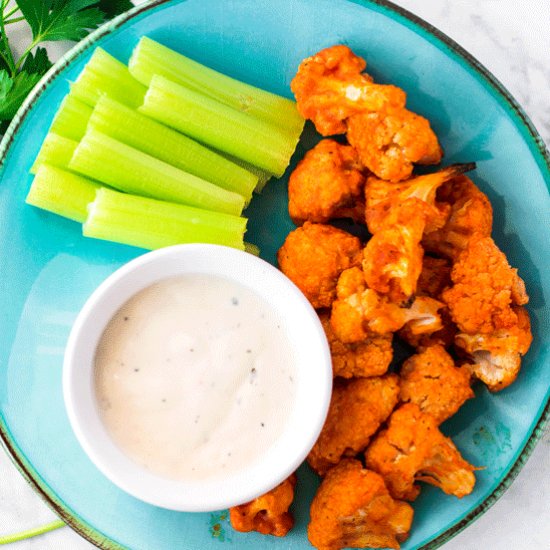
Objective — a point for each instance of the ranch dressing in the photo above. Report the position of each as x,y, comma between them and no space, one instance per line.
194,377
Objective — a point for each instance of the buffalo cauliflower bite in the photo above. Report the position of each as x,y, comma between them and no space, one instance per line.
470,213
484,289
413,449
382,196
370,357
314,255
392,259
353,509
431,380
389,143
330,86
496,357
357,409
267,514
328,183
359,311
332,90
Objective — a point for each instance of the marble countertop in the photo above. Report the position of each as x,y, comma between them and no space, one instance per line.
512,39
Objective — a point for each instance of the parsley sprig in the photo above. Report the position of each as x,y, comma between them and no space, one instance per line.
49,20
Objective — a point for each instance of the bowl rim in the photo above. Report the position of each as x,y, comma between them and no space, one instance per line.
233,265
440,40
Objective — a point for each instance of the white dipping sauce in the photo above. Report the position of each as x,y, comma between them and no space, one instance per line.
194,377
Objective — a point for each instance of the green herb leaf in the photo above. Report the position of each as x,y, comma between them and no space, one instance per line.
37,63
60,19
13,91
3,55
114,7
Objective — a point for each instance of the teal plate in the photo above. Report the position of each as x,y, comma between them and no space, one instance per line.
48,269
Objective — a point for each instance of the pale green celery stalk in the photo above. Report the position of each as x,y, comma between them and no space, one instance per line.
61,192
151,58
253,140
72,118
149,223
105,159
132,128
56,151
104,74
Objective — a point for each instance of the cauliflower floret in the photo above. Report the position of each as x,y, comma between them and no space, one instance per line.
431,380
389,143
267,514
392,259
497,356
330,86
359,311
471,213
485,288
332,90
382,196
353,509
413,449
328,183
314,255
357,409
370,357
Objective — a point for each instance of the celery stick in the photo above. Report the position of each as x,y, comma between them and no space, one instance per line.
104,74
151,58
61,192
71,118
56,151
213,123
105,159
151,224
155,139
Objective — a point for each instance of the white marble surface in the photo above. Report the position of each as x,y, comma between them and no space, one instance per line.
512,39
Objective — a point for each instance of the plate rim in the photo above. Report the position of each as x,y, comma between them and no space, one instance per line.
435,37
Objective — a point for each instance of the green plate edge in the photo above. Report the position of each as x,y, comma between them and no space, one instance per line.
432,34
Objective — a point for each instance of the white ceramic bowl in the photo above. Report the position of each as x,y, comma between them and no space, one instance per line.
313,384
